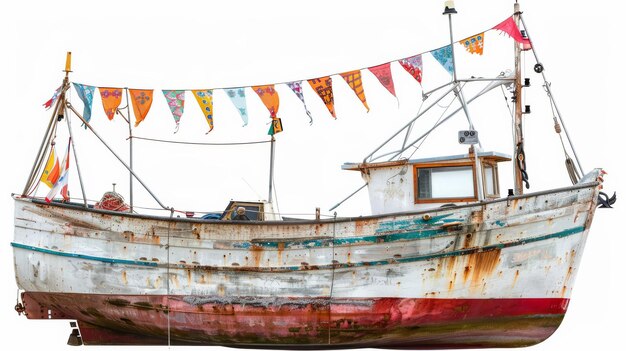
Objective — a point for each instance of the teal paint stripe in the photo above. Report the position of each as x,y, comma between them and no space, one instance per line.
86,257
561,234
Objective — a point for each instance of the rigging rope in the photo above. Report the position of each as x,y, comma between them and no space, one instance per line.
194,143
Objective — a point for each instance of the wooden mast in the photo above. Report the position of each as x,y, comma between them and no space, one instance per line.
518,130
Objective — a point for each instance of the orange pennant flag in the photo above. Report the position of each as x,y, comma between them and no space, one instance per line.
111,99
269,96
142,101
353,78
324,88
474,44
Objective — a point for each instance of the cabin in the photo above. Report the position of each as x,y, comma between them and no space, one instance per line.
419,184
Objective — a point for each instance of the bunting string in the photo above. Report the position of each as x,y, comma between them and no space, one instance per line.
142,99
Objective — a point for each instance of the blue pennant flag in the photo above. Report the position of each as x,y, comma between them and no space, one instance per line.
238,97
444,56
85,93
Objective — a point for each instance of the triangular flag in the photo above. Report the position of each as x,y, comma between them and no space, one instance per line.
414,66
142,101
176,101
61,183
324,88
238,97
111,99
444,57
296,87
54,98
205,101
510,27
269,96
50,174
383,73
474,44
353,78
85,93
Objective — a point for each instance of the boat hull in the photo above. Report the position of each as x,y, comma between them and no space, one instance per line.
496,274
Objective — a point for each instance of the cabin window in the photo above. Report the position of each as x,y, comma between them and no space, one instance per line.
490,179
445,183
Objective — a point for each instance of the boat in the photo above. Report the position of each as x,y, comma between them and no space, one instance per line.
444,260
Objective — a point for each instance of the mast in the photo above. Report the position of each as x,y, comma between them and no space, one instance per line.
517,129
130,140
272,150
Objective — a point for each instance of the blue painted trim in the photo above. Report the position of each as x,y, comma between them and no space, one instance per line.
463,252
86,257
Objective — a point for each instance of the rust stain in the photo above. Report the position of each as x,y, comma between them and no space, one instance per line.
477,217
480,265
188,271
279,253
515,278
257,254
124,278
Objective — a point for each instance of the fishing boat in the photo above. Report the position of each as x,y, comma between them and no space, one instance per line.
445,260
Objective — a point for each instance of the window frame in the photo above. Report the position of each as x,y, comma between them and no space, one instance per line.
418,166
496,180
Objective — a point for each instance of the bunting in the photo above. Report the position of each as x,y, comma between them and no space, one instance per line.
324,88
142,101
54,98
111,99
85,93
296,87
353,78
444,57
509,27
413,65
205,101
176,101
474,44
383,73
61,182
50,174
238,97
269,96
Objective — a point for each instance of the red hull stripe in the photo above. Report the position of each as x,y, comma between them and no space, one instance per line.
249,321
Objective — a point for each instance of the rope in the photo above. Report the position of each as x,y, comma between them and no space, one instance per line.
192,143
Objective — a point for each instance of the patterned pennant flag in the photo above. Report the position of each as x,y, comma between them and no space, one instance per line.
61,182
176,102
85,93
353,78
414,66
238,97
142,101
383,73
444,57
276,127
324,88
269,96
111,99
54,98
296,87
509,27
474,44
205,101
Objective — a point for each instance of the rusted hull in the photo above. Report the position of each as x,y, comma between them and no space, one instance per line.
486,275
294,323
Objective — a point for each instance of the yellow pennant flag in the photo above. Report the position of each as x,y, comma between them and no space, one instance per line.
474,44
142,101
353,78
205,101
50,174
111,99
324,88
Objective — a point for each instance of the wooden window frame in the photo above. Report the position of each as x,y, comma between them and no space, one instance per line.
496,180
416,198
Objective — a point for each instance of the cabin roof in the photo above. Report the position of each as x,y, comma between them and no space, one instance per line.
488,155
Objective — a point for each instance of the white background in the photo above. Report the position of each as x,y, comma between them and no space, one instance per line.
194,44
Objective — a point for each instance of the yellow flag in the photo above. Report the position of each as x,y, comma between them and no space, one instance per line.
51,172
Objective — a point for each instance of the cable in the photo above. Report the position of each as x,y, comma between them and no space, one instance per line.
205,144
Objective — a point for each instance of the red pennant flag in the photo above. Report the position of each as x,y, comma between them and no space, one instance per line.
383,73
510,27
